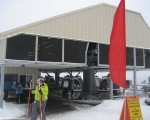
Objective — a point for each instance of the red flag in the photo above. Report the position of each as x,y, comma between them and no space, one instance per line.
117,49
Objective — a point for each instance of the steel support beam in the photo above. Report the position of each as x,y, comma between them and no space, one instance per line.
2,70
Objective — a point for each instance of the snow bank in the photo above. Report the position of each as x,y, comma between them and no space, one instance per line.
12,110
108,110
145,109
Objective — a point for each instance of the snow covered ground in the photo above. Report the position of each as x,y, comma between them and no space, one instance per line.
108,110
12,110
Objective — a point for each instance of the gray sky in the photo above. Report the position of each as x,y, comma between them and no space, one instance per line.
15,13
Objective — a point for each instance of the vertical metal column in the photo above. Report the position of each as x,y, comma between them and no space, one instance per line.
111,90
144,56
134,76
98,55
36,49
57,78
86,53
2,70
63,48
89,78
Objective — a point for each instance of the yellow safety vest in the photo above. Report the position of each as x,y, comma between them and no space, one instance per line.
44,89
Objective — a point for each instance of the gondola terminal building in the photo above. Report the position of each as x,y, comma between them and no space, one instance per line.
76,39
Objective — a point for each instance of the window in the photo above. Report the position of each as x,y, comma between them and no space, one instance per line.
147,58
139,57
74,51
21,47
103,54
9,81
129,56
25,80
49,49
11,78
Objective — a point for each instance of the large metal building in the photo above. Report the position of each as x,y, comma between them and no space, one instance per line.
70,40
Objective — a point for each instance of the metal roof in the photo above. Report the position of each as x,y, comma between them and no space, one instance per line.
92,24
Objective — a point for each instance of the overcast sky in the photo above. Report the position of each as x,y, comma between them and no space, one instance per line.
15,13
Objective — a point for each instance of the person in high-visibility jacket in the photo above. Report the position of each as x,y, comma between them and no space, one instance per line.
40,98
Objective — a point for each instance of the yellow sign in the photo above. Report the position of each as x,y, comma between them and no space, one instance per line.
131,109
134,108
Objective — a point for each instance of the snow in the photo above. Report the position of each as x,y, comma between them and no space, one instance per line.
107,110
99,112
12,110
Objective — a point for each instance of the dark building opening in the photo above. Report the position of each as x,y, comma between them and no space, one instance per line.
139,57
92,59
129,56
74,51
49,49
103,54
21,47
147,58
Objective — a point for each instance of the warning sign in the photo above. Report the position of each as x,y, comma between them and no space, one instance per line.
131,109
134,108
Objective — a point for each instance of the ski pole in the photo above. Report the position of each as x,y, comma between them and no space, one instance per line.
29,98
41,115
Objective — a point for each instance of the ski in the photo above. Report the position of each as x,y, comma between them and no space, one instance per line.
29,100
41,115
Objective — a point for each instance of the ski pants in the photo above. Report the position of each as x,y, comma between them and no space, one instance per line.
36,110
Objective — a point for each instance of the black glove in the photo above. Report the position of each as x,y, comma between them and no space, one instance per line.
40,91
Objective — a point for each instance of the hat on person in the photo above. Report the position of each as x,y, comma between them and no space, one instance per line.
41,79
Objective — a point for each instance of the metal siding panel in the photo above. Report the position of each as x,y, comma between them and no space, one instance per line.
19,71
134,29
15,70
97,25
101,25
47,28
93,25
55,27
128,30
106,16
77,28
140,32
137,32
86,26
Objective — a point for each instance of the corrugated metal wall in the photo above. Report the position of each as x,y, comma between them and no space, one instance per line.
21,70
92,24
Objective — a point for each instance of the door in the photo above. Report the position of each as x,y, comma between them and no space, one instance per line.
23,80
